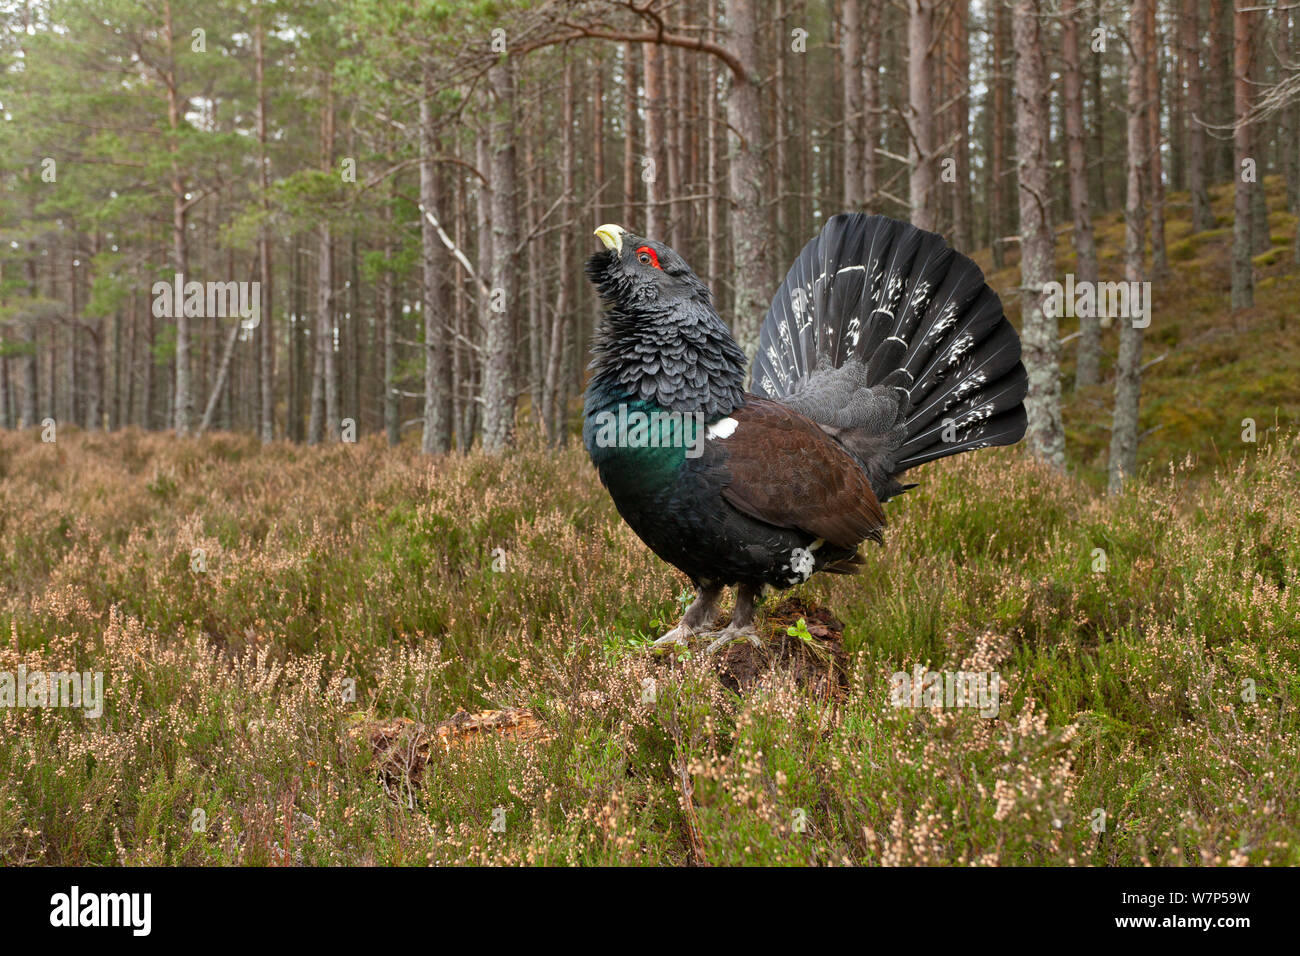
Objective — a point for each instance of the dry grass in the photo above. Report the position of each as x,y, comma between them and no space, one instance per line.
475,582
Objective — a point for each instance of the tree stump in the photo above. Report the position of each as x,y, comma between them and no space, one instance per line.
818,663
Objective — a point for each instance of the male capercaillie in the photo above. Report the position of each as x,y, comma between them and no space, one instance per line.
883,349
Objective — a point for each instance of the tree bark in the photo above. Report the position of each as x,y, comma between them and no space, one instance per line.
389,319
1039,331
1128,364
598,139
325,400
27,402
713,171
782,175
1260,240
920,113
266,329
629,134
1099,111
1293,163
751,237
654,144
498,387
6,420
183,408
997,134
854,153
1087,368
148,381
1202,219
963,209
126,406
1221,90
219,383
1243,283
871,109
436,437
552,400
94,355
293,378
1159,257
672,173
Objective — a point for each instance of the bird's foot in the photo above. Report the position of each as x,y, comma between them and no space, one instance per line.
679,637
731,634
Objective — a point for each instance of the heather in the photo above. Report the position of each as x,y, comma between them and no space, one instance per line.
251,607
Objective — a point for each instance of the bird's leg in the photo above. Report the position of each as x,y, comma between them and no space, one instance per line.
699,612
742,621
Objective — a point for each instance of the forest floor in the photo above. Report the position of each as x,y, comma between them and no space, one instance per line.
282,630
1215,367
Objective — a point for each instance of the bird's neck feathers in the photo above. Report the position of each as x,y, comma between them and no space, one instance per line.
678,355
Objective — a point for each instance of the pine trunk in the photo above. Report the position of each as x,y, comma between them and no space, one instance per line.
1128,364
498,386
1243,284
552,400
1087,368
183,398
920,113
871,110
1202,219
998,134
653,163
436,436
629,134
266,328
963,209
851,55
1159,257
751,238
1039,332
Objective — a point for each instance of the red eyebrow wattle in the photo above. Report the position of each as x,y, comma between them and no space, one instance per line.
654,259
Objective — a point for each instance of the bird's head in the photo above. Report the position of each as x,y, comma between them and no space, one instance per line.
661,339
634,273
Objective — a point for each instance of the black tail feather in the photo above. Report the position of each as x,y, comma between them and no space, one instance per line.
873,290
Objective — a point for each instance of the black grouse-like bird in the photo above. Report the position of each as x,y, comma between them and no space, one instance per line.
883,349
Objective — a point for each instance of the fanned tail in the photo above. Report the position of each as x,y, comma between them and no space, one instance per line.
893,343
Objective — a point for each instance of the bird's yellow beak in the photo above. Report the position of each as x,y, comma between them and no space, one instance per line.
611,236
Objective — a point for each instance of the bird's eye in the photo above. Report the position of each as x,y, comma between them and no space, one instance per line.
646,256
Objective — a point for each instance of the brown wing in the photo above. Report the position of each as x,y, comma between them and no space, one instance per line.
785,470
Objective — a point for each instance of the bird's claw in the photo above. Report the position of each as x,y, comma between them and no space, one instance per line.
679,637
731,634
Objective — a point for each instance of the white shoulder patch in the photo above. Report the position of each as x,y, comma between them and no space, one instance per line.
722,428
801,565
